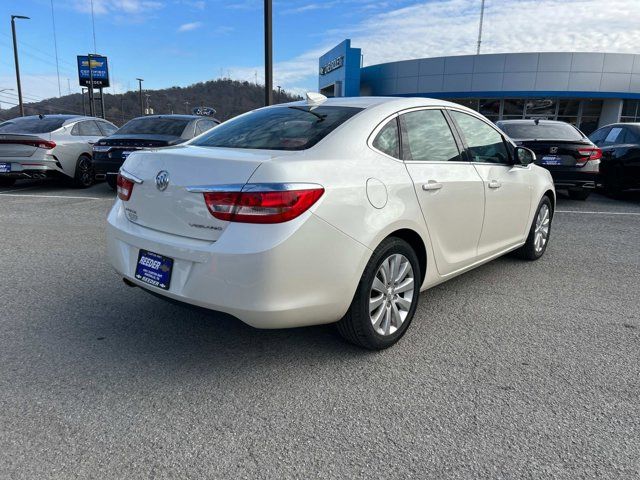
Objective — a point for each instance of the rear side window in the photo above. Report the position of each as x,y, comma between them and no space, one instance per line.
484,143
598,136
388,140
32,125
204,125
278,128
86,129
428,137
542,131
155,126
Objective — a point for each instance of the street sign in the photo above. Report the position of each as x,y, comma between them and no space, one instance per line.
99,71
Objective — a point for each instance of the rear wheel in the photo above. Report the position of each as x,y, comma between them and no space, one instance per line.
386,298
579,193
112,181
539,233
7,182
84,176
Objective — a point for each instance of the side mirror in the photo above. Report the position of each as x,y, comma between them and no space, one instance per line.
524,156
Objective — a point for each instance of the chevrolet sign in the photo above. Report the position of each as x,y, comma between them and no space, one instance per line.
332,65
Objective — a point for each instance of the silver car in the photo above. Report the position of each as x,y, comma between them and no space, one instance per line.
42,146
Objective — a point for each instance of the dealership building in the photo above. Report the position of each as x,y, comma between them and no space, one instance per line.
586,89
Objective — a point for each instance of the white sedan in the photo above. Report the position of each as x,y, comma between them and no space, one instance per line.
328,210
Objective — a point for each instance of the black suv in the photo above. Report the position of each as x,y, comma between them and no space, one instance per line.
152,131
561,148
620,167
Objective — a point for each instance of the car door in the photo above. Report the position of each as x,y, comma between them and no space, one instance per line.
507,187
448,188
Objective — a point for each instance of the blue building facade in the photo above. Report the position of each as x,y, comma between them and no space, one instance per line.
586,89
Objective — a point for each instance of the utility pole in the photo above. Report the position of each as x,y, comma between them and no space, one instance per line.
92,105
15,57
279,89
268,52
140,80
480,27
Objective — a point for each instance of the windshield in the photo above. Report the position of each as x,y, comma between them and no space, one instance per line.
155,126
32,125
278,128
542,131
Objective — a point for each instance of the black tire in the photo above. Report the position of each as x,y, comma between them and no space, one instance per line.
7,182
614,181
528,251
579,193
356,326
85,175
112,181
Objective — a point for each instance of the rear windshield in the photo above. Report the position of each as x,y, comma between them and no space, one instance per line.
155,126
542,131
32,125
278,128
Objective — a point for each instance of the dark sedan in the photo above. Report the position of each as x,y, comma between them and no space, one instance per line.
561,148
620,167
153,131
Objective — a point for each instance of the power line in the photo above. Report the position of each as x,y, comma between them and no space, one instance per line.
55,46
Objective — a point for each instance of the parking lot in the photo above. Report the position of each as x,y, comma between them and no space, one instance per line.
514,370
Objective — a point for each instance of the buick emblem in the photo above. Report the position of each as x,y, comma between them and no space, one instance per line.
162,180
553,150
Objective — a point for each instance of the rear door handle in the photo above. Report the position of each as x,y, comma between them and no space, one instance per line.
431,185
494,184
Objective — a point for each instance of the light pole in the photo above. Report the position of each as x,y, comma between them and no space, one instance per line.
279,89
140,80
268,53
15,56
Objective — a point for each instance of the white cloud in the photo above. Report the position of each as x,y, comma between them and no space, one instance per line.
101,7
188,27
450,27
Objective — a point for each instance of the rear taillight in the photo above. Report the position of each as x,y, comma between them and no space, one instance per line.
125,187
590,153
46,144
262,204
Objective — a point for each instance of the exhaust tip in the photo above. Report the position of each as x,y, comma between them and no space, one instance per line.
129,283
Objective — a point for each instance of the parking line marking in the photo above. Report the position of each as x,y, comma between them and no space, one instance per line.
599,213
52,196
17,189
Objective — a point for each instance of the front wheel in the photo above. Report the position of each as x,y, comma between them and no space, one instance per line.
386,297
539,233
84,176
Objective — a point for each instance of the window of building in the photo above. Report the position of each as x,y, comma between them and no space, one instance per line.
471,103
541,107
630,111
490,108
428,137
513,108
484,143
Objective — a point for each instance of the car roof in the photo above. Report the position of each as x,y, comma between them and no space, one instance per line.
176,116
368,102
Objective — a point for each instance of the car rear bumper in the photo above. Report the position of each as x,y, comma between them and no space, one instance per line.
298,273
104,167
576,177
32,168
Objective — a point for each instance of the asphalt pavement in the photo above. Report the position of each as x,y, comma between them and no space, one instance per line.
514,370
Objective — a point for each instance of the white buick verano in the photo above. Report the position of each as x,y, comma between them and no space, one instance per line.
328,210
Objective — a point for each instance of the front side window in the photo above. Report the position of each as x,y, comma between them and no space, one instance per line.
88,129
107,128
428,137
613,136
598,136
294,127
204,125
484,143
387,140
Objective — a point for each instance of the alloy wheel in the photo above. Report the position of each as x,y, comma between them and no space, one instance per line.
542,228
391,294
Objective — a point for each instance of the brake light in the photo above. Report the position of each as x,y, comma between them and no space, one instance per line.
591,153
125,188
266,206
39,143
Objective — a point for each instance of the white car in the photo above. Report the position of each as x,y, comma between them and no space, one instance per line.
41,146
330,210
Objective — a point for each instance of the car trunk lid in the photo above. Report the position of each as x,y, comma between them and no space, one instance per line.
559,153
20,146
175,210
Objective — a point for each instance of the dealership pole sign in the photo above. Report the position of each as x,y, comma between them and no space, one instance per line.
97,71
334,64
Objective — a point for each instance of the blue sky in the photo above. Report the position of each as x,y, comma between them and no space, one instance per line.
179,42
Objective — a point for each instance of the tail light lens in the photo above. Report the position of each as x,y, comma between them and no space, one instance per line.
266,206
590,153
125,188
39,143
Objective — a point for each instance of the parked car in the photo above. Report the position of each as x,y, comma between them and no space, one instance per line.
41,146
331,210
561,148
145,132
620,164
